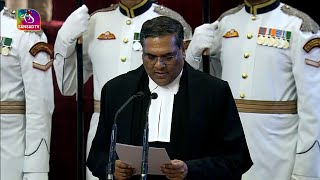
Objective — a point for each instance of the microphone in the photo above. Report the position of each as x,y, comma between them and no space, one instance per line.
112,148
153,96
145,149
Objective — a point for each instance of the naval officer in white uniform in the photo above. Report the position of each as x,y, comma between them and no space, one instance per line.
269,53
27,103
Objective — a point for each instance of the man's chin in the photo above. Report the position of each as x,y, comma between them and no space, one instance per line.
161,82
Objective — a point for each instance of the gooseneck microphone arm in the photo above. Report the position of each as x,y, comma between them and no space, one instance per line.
112,148
145,149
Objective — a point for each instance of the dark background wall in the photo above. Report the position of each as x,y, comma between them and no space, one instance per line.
63,143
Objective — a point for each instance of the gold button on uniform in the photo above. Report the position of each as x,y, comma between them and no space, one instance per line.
123,58
244,75
242,95
249,35
246,55
254,17
128,22
125,40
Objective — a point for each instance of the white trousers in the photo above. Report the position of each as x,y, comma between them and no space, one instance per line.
12,145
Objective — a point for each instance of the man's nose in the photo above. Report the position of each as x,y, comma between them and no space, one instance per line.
160,63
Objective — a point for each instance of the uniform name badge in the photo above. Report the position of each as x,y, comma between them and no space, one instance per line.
136,42
5,45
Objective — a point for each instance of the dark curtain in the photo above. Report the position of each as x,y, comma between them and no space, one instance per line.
63,141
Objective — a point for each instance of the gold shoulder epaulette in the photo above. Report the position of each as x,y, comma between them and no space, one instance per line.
9,13
112,7
308,24
170,13
231,11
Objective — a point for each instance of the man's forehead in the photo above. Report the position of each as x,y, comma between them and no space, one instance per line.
169,36
161,40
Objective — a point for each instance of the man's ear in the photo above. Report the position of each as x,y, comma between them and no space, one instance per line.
186,45
183,53
184,48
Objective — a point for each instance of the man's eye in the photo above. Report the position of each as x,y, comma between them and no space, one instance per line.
152,57
168,57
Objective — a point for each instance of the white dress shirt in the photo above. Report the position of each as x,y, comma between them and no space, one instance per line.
160,112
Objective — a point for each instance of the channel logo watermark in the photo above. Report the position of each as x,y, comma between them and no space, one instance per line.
28,20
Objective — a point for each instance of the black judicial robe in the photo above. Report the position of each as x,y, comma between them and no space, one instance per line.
206,132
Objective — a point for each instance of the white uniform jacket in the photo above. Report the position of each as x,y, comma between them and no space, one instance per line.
271,52
25,135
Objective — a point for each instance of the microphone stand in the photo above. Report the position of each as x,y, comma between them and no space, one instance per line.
145,149
206,19
112,148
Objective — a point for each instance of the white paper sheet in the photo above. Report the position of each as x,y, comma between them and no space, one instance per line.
132,155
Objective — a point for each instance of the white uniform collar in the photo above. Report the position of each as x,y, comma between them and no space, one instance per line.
137,10
261,8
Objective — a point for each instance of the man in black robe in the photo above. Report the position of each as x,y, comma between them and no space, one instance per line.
206,140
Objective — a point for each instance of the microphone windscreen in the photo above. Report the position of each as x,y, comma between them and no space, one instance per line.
154,95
